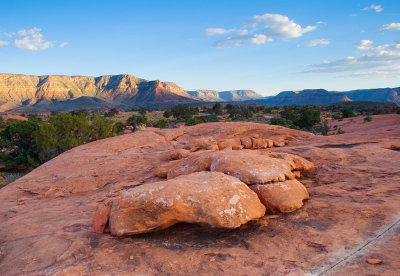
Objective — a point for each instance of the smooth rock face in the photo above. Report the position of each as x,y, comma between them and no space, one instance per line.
178,154
354,196
251,168
209,198
296,162
197,162
207,143
283,197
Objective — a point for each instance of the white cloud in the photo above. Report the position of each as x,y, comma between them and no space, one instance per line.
316,42
222,31
218,31
259,39
3,43
377,8
379,61
32,40
32,31
364,45
392,26
62,45
242,39
280,26
263,28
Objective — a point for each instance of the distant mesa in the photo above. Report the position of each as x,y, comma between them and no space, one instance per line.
322,96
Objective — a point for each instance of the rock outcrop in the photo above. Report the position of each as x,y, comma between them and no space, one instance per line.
207,187
281,197
352,214
208,198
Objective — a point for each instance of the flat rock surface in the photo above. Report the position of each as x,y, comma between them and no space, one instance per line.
352,215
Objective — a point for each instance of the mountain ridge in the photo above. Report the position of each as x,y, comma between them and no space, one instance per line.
322,96
19,92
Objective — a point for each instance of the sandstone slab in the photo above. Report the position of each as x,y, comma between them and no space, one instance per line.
296,162
283,197
251,168
209,198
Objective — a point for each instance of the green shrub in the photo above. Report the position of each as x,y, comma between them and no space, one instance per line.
161,124
368,119
325,128
348,113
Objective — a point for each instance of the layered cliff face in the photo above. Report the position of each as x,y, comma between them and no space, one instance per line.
317,96
25,91
321,96
391,95
225,96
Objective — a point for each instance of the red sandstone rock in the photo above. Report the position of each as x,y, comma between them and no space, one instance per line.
229,143
207,143
251,168
258,143
279,144
100,217
374,261
297,163
196,162
281,197
246,142
210,198
297,174
178,154
237,147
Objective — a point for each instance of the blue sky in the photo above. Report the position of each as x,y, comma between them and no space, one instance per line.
266,46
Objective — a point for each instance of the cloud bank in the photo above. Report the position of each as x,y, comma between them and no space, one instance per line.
260,29
379,61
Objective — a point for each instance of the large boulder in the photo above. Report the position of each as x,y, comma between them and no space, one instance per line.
251,168
207,198
281,197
